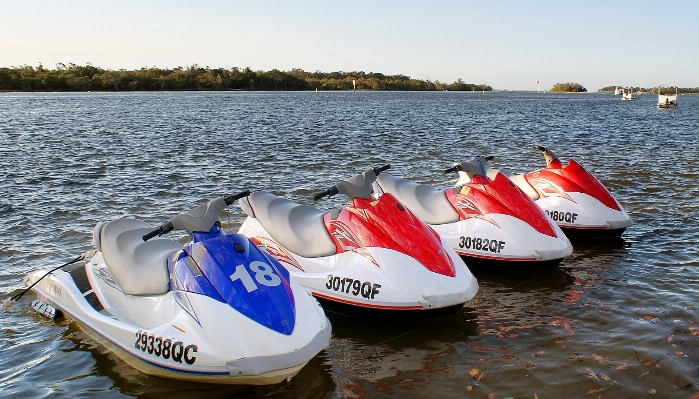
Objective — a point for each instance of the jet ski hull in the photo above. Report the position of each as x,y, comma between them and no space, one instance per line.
373,280
506,241
158,336
580,215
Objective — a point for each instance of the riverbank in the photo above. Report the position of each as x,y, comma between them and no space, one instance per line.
69,78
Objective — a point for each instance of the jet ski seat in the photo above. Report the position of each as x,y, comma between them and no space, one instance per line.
429,203
140,268
524,184
298,228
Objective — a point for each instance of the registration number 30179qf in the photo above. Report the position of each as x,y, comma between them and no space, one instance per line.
355,287
481,244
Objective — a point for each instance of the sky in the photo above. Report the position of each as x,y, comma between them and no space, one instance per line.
505,44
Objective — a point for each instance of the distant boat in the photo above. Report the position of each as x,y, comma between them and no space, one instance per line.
629,94
665,99
618,91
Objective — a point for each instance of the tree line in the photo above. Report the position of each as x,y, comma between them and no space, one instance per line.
73,77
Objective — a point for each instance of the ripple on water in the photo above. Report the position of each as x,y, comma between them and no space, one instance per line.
617,318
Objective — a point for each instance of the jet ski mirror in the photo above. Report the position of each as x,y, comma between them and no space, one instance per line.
356,186
201,218
472,167
548,154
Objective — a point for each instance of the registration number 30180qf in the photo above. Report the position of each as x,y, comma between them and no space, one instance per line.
355,287
481,244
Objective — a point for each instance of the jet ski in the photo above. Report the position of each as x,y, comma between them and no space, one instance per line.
375,257
216,310
573,198
485,219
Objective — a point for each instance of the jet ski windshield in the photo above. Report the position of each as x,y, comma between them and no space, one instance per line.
473,167
548,154
200,219
358,186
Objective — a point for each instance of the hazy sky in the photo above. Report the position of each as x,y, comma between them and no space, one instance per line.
505,44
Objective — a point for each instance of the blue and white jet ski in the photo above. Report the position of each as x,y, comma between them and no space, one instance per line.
218,310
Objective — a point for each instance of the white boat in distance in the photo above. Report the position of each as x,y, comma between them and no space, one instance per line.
618,91
629,94
665,99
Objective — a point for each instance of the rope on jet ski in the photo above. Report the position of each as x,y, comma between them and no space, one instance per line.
444,182
79,258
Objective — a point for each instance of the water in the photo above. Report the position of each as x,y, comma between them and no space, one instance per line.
617,319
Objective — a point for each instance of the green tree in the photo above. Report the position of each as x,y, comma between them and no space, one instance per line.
568,88
74,77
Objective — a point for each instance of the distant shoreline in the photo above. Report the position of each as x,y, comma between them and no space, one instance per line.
74,78
494,91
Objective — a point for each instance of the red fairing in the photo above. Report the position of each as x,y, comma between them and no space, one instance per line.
389,224
484,196
570,178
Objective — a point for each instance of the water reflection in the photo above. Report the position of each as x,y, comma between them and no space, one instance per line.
479,347
370,356
617,318
312,382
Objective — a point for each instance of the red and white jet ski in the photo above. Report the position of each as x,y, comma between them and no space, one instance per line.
488,220
375,255
573,198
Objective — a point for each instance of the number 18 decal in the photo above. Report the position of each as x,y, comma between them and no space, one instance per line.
264,274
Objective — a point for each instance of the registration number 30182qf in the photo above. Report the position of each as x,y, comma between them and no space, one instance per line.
481,244
355,287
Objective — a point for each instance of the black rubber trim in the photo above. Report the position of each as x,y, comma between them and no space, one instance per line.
352,310
94,301
80,277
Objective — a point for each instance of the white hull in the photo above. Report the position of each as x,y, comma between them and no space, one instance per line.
667,101
583,212
393,281
504,238
204,340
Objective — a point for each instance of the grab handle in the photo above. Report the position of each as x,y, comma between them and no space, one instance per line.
455,168
327,193
164,229
232,198
381,169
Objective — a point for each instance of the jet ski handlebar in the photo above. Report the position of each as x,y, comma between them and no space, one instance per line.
335,190
454,168
381,169
163,229
327,193
168,227
232,198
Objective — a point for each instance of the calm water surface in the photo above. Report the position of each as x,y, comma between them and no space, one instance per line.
618,319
